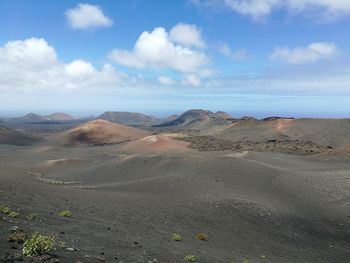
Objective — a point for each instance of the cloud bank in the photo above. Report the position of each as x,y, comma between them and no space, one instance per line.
326,10
300,55
32,65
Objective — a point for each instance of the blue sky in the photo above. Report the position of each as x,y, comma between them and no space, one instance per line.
246,57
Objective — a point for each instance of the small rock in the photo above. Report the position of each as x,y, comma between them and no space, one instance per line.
15,229
101,259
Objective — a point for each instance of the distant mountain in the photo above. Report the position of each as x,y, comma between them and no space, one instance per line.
169,118
198,119
30,117
98,132
60,116
12,137
131,118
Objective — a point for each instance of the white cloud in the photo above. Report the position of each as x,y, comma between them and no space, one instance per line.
32,64
157,50
126,58
32,52
325,10
79,68
312,53
240,54
254,8
187,35
192,80
85,16
166,80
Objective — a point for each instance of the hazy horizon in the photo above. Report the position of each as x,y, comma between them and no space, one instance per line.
164,114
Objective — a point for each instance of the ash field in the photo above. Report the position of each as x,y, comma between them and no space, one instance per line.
232,190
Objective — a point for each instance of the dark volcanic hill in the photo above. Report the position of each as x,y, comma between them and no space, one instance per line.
198,119
131,118
30,117
12,137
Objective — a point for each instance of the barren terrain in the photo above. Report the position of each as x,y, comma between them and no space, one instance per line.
129,191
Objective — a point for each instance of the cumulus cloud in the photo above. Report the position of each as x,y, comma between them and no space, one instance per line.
166,80
85,16
157,49
312,53
323,9
32,65
187,35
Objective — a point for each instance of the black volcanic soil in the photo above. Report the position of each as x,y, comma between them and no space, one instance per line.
261,207
211,143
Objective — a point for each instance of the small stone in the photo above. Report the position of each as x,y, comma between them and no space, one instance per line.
15,229
101,259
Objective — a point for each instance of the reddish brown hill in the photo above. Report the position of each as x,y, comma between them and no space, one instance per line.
99,132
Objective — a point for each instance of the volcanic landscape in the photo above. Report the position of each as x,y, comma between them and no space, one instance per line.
203,184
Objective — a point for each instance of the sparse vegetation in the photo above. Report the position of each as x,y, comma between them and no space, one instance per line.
13,214
191,258
245,261
5,209
38,244
65,213
17,237
202,236
176,237
33,216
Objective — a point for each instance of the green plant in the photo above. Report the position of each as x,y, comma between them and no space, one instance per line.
245,261
33,216
202,236
191,258
5,209
176,237
13,214
18,237
38,245
65,213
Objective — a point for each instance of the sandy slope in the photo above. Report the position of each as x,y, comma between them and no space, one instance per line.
262,207
155,143
12,137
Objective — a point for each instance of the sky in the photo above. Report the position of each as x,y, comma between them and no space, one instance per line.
245,57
